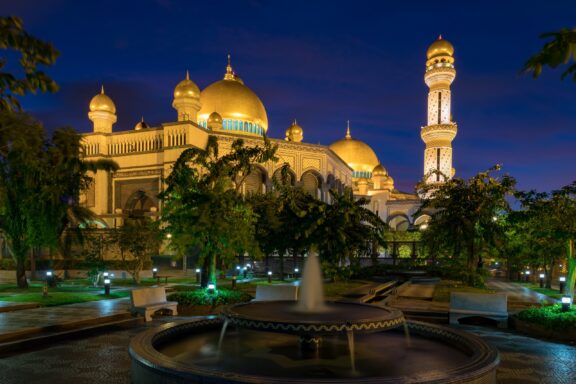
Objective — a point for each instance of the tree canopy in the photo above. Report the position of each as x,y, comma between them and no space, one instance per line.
561,50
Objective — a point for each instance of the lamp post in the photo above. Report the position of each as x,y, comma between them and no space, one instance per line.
154,272
49,278
245,271
234,282
562,284
269,277
296,270
566,303
542,280
527,273
198,270
107,287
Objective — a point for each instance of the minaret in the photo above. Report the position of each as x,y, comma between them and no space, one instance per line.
441,130
102,112
187,99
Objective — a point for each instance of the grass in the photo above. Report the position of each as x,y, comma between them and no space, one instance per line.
553,293
61,298
445,287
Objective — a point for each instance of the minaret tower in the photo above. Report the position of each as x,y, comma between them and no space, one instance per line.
441,130
102,112
187,99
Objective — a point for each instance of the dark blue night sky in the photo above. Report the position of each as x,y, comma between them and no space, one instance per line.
324,62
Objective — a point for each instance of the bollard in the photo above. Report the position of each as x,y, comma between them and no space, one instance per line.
542,280
562,284
198,270
233,282
107,287
269,277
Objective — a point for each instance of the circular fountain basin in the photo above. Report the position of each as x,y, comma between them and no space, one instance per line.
285,317
187,352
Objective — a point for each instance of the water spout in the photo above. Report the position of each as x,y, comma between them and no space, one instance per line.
311,295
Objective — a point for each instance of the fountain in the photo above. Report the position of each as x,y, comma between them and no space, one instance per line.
309,341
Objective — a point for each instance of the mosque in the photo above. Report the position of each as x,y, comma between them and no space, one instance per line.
229,109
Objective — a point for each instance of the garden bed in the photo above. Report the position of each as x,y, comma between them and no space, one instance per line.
547,322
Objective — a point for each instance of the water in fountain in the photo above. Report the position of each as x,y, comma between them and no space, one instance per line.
311,295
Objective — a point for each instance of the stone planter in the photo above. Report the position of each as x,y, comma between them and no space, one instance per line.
539,331
199,310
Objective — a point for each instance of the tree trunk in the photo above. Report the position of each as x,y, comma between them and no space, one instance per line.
21,273
548,273
571,259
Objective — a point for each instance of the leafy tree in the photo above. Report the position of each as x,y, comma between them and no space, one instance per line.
559,51
140,238
463,220
551,220
203,206
22,146
346,230
33,53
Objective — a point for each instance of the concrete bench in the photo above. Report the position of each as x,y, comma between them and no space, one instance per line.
276,292
489,305
149,300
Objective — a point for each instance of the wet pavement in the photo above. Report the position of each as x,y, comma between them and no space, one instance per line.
103,358
517,292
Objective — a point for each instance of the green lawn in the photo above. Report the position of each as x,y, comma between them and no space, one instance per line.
60,298
445,287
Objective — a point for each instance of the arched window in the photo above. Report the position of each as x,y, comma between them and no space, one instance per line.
235,125
250,126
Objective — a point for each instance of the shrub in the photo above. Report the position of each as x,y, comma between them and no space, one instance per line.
204,297
550,317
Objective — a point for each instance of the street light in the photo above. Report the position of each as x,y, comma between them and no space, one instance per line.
562,284
542,276
566,303
527,276
270,277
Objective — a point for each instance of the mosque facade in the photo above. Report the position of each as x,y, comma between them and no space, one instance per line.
228,109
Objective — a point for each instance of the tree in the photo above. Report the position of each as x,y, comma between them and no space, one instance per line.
140,238
347,230
464,216
559,51
33,53
22,147
551,221
203,205
66,176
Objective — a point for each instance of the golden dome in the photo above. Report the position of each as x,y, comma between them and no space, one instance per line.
186,88
379,170
387,183
357,154
214,118
101,102
440,47
236,103
141,125
295,133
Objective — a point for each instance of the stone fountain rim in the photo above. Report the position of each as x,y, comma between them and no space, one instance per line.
151,366
378,319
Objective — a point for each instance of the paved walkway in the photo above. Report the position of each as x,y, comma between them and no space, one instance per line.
28,322
518,293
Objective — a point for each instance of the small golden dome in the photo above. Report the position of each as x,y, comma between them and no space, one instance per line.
379,170
295,133
234,101
101,102
387,183
440,47
357,154
214,118
141,125
186,88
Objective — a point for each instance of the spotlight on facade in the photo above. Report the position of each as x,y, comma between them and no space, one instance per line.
168,235
423,227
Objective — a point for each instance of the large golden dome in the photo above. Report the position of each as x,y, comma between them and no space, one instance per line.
440,47
240,108
101,102
357,154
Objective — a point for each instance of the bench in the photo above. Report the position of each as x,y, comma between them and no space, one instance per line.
149,300
489,305
165,277
276,292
